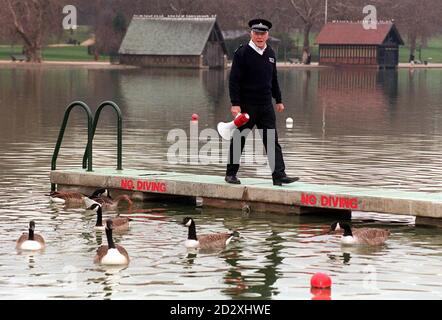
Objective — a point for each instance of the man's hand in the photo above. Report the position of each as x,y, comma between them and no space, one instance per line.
280,107
235,110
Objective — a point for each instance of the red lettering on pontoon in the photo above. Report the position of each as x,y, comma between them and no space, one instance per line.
142,185
330,201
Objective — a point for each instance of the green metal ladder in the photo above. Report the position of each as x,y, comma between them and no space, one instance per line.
91,128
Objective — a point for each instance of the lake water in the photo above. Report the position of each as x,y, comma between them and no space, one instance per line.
351,127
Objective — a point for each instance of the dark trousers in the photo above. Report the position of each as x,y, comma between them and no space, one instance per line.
263,116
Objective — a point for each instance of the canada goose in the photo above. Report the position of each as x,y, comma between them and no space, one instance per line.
102,192
119,223
96,196
67,197
106,201
368,236
71,198
30,240
206,241
111,254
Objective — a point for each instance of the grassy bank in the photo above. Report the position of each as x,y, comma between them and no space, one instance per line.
432,53
64,53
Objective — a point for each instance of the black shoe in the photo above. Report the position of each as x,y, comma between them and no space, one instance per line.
232,180
285,180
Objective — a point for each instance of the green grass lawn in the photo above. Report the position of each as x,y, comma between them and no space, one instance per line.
81,34
66,53
433,53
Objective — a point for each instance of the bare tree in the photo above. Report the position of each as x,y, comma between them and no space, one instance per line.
32,21
310,12
417,19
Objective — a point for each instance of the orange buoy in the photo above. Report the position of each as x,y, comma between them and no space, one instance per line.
320,280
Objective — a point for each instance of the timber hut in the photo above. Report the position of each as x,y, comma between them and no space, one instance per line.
345,43
174,41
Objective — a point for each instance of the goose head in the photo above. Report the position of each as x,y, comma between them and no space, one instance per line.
109,224
101,193
188,221
341,227
192,240
96,207
334,227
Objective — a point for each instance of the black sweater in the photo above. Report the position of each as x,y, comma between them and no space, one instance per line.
253,78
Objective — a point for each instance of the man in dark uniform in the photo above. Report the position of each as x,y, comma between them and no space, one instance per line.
252,84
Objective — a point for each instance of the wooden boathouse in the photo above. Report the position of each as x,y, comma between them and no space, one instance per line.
345,43
174,42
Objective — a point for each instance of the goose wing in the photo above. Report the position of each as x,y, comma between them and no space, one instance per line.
25,236
372,236
67,195
125,197
105,200
39,238
214,239
123,252
100,201
22,239
120,223
101,252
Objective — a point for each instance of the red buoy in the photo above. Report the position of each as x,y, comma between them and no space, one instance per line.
195,117
321,294
320,280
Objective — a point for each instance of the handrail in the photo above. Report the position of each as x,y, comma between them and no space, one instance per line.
88,152
119,131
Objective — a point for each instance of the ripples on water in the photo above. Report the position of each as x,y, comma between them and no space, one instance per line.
364,129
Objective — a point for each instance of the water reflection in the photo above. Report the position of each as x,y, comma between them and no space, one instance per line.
190,258
354,97
377,129
320,293
344,258
171,97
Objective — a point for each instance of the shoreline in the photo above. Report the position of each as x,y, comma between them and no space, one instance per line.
80,64
108,65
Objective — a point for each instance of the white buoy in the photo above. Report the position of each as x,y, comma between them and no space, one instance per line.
289,123
199,201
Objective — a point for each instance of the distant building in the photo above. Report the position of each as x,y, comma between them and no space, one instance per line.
234,38
174,41
348,43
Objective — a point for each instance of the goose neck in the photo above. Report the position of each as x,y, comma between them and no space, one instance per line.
31,234
99,218
110,241
347,232
192,232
